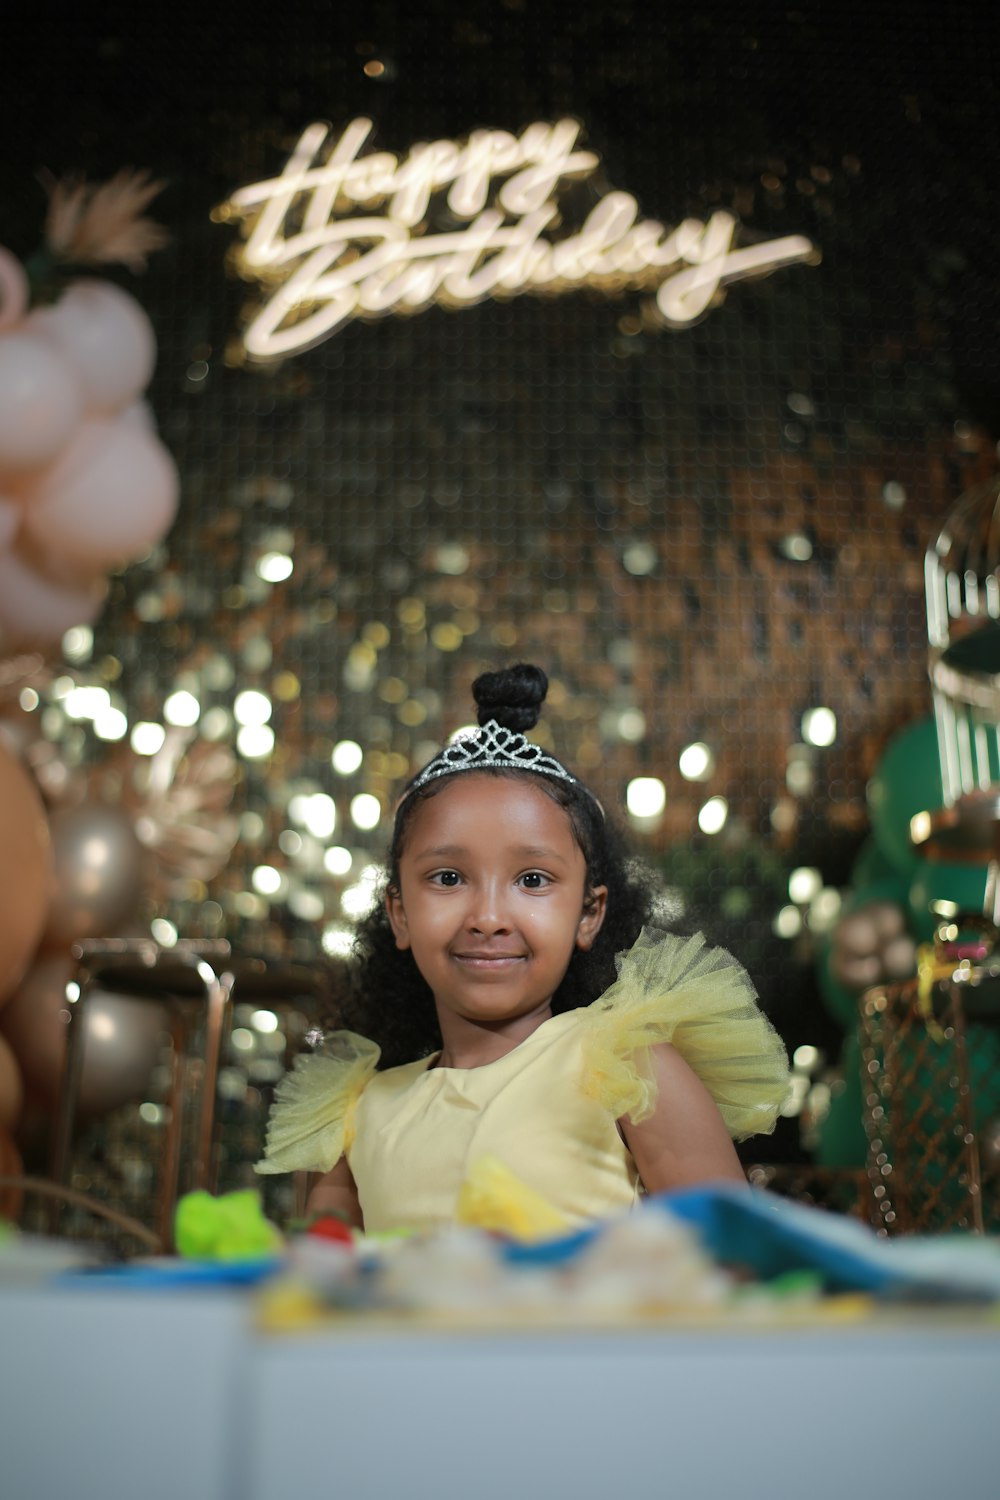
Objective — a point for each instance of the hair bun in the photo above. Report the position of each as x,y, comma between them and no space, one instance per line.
513,697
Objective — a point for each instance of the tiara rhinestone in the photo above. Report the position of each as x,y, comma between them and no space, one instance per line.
491,746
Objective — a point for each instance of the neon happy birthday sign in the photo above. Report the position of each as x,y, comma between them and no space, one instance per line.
324,256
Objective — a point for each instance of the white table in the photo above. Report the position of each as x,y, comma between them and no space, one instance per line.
120,1394
111,1393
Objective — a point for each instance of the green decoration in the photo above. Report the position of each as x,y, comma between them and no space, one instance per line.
842,1140
231,1227
962,885
871,868
907,780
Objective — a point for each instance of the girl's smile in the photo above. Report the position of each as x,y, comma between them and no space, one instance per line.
492,904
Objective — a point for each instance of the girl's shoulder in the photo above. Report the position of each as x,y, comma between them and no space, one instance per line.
700,1000
312,1119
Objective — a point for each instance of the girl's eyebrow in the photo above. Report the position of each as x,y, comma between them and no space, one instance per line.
450,851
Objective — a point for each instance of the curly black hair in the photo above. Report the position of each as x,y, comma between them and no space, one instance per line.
390,1001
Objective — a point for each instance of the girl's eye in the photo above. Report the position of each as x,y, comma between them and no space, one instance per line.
447,878
534,880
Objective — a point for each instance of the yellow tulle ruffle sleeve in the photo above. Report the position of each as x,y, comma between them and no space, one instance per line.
312,1119
673,989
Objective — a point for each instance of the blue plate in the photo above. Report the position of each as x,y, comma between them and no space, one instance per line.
168,1272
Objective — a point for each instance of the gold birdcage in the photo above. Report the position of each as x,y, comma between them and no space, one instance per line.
962,592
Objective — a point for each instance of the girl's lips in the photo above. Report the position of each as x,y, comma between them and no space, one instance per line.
488,960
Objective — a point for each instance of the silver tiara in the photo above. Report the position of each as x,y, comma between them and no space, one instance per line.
491,747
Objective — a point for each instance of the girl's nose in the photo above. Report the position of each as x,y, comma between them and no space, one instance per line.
487,912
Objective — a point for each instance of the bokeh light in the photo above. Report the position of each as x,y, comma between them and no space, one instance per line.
147,738
645,797
713,815
182,709
366,811
819,726
696,762
346,757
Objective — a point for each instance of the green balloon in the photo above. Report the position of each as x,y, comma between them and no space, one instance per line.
841,1003
907,780
871,867
962,885
843,1141
889,887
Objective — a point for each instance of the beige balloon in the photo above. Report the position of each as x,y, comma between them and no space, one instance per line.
10,521
25,869
15,291
98,867
33,1023
105,336
11,1198
871,945
41,402
110,494
35,610
11,1087
899,957
122,1038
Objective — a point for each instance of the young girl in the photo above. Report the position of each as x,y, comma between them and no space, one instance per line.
522,1009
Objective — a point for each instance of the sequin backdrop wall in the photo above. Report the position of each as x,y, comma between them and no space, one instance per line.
701,533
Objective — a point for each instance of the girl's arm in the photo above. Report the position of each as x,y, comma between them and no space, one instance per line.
684,1141
336,1193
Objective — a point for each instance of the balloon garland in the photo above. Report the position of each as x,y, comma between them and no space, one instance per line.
85,483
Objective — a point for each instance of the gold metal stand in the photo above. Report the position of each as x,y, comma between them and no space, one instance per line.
194,979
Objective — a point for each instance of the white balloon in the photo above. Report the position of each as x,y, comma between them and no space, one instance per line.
899,958
40,401
32,609
107,499
13,289
107,338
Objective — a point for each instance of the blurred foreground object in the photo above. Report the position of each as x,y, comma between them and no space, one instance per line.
492,1197
230,1227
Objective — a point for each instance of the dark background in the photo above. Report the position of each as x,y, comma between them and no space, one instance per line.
850,402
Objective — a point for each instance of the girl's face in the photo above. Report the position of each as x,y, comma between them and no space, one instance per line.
491,898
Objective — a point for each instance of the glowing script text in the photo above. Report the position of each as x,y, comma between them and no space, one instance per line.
341,235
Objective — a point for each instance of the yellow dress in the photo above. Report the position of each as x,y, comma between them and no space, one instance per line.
548,1109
